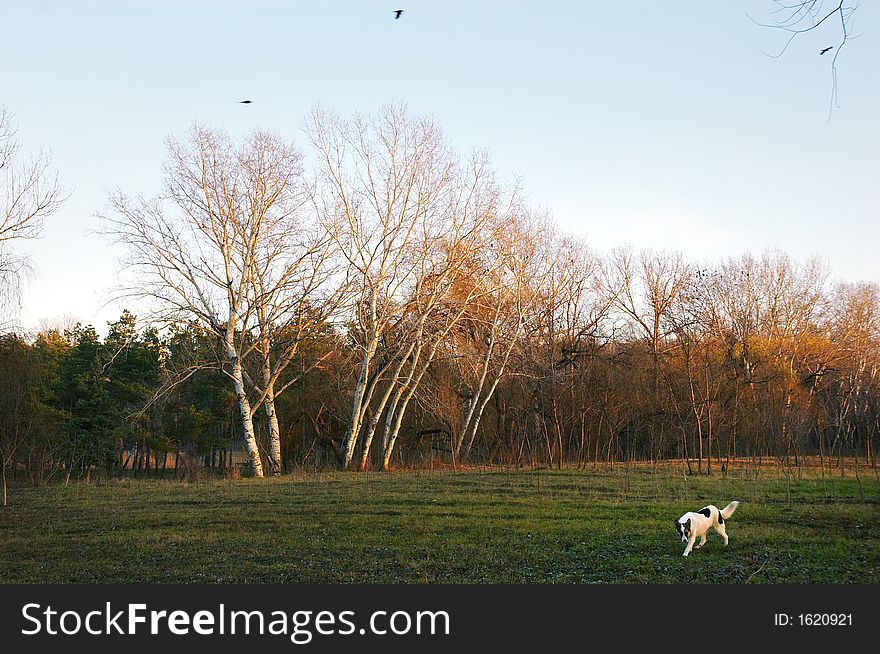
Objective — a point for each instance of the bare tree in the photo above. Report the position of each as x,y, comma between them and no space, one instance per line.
497,322
385,184
764,314
207,250
853,376
797,17
567,314
478,214
30,193
645,292
297,290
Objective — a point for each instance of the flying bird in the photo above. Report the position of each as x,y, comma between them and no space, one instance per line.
830,47
245,102
397,13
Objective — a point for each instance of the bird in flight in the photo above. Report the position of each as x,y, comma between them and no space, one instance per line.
830,47
245,102
397,13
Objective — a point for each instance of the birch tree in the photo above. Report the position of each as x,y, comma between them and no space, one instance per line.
297,290
385,182
197,249
496,324
475,219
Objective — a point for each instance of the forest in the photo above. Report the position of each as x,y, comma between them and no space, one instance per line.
380,301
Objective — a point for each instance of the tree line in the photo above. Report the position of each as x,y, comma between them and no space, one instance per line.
379,300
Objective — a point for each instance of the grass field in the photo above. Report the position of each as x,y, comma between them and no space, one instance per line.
569,526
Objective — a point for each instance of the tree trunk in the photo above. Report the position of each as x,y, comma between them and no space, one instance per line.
357,409
244,408
478,415
400,402
274,432
377,415
392,425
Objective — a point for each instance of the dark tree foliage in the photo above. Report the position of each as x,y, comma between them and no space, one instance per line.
83,394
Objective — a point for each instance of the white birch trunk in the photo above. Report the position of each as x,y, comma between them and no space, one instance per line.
397,410
357,410
392,426
479,413
374,422
269,402
478,406
244,407
393,383
274,432
472,403
482,406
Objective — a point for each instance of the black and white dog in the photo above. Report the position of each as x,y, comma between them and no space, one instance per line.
698,523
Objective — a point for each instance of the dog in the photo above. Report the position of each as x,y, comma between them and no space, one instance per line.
698,523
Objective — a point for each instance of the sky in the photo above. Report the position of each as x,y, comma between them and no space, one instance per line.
654,124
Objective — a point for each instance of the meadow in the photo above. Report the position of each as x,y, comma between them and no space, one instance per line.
596,525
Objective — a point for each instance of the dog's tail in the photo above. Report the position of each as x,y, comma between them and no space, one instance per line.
728,510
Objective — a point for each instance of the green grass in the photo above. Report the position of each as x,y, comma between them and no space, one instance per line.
570,526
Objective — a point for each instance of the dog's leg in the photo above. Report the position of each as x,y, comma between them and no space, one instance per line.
690,545
702,541
722,530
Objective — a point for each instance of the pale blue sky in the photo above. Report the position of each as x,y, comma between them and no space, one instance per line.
658,124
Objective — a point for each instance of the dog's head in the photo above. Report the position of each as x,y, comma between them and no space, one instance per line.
684,529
